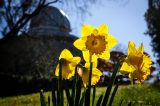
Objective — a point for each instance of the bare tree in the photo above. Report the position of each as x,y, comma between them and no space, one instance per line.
15,15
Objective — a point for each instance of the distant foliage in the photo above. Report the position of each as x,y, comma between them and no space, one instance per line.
152,17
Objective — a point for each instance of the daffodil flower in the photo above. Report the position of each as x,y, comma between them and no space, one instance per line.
84,73
136,64
95,42
68,64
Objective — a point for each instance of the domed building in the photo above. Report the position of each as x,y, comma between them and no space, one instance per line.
50,21
28,61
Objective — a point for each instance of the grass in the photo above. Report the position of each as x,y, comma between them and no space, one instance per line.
145,95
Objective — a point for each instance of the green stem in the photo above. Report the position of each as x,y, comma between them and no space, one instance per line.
74,87
88,91
94,94
60,90
90,78
90,58
132,81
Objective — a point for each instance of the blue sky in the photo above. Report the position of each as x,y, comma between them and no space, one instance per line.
125,20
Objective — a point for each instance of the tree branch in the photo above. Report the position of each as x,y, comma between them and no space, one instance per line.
24,19
55,1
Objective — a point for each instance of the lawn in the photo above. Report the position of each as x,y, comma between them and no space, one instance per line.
138,95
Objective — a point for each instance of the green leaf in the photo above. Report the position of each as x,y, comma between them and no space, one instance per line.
108,90
113,94
99,100
54,101
68,95
48,100
74,87
121,102
78,91
82,99
88,91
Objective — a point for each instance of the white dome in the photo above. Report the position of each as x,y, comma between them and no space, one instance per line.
50,21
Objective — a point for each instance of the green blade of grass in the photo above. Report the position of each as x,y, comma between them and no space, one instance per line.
130,104
121,102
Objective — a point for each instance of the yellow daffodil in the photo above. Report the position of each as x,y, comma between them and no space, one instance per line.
95,42
137,64
84,73
68,64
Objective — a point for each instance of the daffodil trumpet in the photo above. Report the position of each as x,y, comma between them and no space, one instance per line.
68,63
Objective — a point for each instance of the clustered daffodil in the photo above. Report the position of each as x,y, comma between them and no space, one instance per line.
137,64
95,41
68,64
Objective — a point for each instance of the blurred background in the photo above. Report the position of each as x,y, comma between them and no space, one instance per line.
34,32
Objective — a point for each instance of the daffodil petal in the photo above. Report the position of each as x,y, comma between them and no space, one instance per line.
102,29
126,68
111,40
80,44
96,72
75,61
85,78
86,56
72,71
95,76
141,48
94,64
147,60
87,65
86,30
57,70
131,47
94,58
66,71
65,54
105,55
